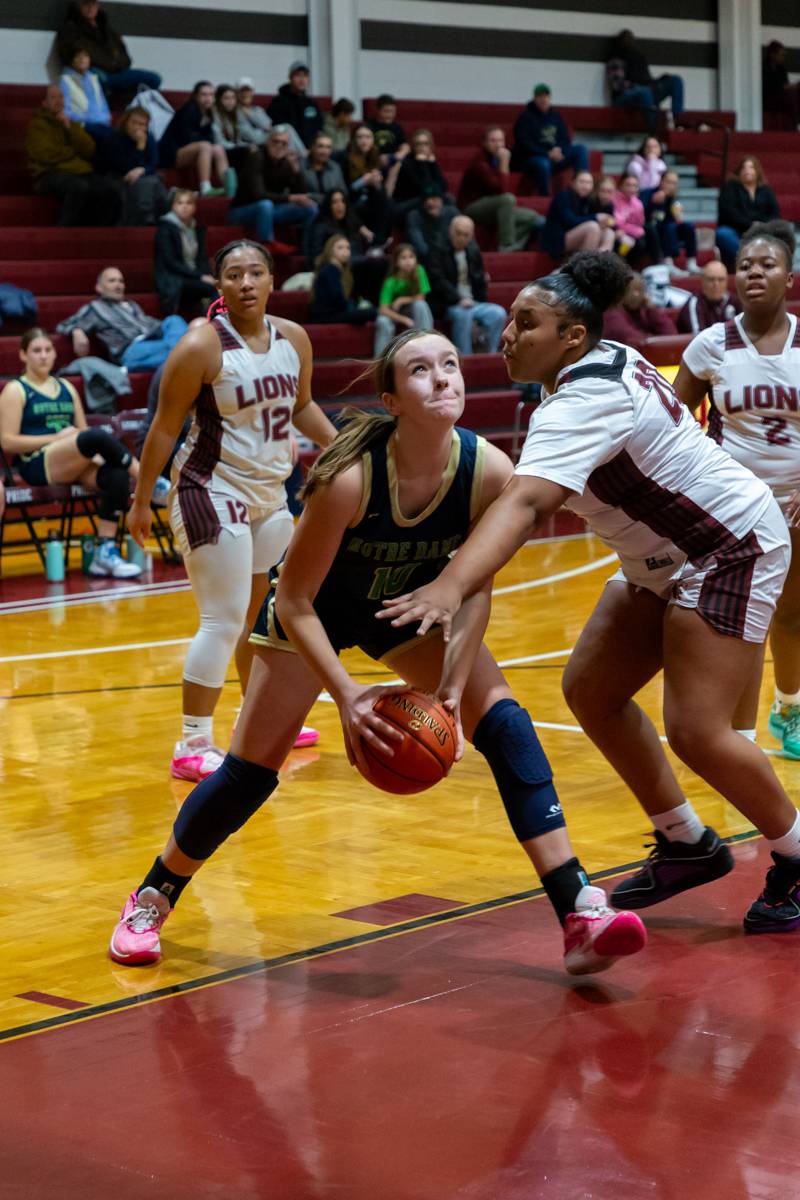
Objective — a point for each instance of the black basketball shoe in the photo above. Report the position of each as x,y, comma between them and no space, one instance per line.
674,867
777,909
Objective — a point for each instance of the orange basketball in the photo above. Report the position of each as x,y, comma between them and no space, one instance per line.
427,750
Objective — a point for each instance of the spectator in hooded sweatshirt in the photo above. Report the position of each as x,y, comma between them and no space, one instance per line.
542,144
293,107
87,25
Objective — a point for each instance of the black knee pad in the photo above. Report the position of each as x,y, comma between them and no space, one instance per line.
100,441
506,738
221,804
114,486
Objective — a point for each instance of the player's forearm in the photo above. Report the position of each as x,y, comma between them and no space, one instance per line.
503,528
469,626
312,423
156,450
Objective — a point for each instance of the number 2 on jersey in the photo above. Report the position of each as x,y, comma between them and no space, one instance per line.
649,378
276,423
775,431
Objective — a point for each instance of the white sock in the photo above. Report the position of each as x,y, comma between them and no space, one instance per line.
205,186
750,734
680,824
691,262
787,697
789,844
197,726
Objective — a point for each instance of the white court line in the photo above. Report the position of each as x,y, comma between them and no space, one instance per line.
42,603
94,650
535,583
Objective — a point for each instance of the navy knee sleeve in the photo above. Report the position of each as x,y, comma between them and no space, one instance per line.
221,804
100,441
114,486
507,740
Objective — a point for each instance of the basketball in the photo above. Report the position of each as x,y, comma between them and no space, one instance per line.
427,750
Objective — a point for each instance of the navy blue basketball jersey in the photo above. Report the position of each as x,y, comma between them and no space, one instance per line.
43,414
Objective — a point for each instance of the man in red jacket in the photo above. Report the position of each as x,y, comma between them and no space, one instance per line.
637,317
485,196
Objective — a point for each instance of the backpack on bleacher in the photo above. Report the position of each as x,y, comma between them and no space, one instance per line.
157,108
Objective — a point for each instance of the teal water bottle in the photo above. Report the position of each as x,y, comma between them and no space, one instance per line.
54,558
134,552
88,546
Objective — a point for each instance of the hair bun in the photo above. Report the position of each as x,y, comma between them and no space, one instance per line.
601,277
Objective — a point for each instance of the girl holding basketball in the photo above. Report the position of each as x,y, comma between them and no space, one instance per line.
751,365
247,380
704,552
387,503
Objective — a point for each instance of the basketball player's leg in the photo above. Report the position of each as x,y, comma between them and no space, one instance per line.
271,535
504,734
784,719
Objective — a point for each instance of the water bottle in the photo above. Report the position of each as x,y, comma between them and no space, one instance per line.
54,558
88,546
134,552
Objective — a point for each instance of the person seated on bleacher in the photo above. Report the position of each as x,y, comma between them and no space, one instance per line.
648,166
629,217
129,336
542,143
575,221
188,142
227,127
714,303
292,106
364,178
390,138
320,173
86,24
666,230
459,288
637,317
129,155
84,98
334,299
429,225
403,303
419,176
779,97
44,430
337,217
272,190
60,157
631,85
484,194
180,263
338,125
744,199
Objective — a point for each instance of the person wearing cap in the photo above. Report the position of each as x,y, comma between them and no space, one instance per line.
542,143
292,106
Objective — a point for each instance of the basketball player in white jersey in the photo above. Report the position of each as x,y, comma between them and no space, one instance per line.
704,552
752,367
247,379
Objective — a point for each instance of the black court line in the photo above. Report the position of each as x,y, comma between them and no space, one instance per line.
283,960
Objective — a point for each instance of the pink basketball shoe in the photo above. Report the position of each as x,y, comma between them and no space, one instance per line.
306,737
595,935
135,941
194,759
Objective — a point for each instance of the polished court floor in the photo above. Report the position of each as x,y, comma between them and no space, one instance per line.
362,995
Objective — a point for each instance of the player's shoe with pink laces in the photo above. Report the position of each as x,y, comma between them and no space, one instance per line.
595,935
306,737
135,941
194,759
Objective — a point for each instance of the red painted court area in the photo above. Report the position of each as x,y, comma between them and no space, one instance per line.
452,1060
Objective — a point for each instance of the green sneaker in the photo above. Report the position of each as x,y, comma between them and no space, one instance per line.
791,732
777,719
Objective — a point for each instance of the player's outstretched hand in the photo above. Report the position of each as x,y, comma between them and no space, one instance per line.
360,723
435,604
793,510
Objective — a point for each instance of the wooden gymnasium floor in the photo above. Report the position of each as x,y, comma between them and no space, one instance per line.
362,996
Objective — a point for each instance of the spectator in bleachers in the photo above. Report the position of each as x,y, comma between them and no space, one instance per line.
429,225
362,170
292,106
744,199
44,429
338,125
84,98
253,120
129,155
632,86
60,158
129,336
402,301
227,127
419,176
320,173
575,221
648,166
629,216
637,317
337,217
334,299
86,25
604,195
272,190
667,231
714,303
459,288
390,138
779,97
542,143
485,196
181,267
188,142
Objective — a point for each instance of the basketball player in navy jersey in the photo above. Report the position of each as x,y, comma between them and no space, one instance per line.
385,505
704,552
247,380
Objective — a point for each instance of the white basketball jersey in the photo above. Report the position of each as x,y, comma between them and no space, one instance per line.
755,398
643,474
239,444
